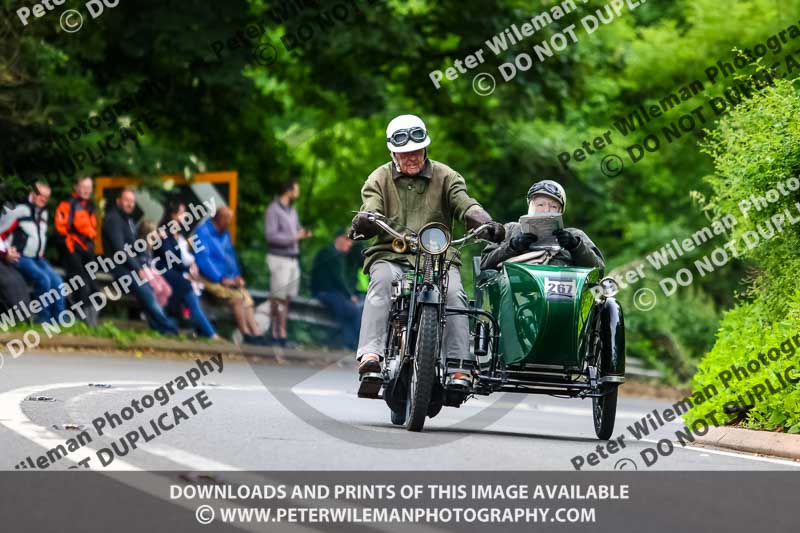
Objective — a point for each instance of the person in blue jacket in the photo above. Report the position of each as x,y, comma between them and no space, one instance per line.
221,275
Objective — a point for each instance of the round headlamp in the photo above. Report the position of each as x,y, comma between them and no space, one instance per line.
434,239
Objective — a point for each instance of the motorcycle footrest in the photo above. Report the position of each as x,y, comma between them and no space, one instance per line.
370,386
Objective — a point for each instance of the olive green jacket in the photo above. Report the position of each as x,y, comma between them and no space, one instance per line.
437,194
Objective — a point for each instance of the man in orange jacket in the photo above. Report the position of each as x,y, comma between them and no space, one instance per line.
76,226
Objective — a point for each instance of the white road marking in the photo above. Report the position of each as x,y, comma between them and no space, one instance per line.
738,455
238,388
18,422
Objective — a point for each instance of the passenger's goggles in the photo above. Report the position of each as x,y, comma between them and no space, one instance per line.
548,188
401,137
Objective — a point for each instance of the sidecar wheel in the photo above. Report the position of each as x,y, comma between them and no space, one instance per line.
604,412
423,372
398,417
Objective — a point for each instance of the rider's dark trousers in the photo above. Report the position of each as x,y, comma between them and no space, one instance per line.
378,303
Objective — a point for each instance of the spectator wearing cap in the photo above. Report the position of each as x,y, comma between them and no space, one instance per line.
76,227
330,285
25,228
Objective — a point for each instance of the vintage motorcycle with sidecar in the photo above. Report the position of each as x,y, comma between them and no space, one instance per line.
535,329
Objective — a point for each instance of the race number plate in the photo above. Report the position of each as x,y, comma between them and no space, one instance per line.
557,287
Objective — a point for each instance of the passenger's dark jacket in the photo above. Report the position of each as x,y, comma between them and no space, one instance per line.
119,230
586,254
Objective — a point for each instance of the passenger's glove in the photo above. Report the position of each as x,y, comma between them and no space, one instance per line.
363,228
522,242
566,240
475,218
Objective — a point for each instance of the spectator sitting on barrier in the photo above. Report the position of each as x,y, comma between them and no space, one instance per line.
13,289
160,287
219,270
183,277
330,284
118,231
76,226
25,228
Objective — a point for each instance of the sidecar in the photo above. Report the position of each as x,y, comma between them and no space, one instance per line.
551,330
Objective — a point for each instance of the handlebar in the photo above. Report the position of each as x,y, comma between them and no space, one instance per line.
471,234
411,238
382,222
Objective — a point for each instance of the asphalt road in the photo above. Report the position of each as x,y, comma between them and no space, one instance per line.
270,417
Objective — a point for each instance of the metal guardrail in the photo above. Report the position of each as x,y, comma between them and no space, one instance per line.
301,309
307,310
633,367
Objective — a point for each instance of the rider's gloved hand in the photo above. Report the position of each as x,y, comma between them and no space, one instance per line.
566,240
363,227
521,242
476,217
496,232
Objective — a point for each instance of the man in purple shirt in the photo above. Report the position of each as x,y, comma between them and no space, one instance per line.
283,233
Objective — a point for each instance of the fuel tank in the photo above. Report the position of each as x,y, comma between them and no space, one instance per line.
543,312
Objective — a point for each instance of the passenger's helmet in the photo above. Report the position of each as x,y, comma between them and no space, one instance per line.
406,133
550,188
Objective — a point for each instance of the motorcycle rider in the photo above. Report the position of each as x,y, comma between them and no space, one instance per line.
412,190
577,249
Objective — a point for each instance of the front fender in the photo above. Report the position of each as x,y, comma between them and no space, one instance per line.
612,333
429,294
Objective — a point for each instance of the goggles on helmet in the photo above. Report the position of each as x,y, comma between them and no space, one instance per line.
547,187
401,137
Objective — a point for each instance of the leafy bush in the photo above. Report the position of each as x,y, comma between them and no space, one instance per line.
744,334
756,147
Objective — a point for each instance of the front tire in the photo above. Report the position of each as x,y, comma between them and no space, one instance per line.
423,370
604,412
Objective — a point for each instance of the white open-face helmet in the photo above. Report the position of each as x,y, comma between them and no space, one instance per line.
406,133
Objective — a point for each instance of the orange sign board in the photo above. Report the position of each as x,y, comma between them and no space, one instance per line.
225,186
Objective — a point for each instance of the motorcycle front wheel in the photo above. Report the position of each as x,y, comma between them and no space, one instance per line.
423,371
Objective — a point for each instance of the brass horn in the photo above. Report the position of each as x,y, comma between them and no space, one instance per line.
399,246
